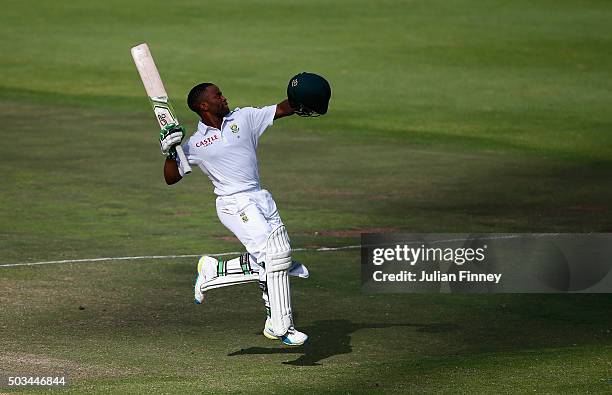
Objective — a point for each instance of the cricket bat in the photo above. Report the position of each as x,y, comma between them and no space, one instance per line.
157,95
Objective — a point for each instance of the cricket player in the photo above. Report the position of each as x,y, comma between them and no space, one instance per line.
224,147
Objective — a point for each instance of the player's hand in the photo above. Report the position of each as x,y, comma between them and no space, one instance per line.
169,138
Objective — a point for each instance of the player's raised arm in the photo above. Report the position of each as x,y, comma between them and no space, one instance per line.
171,171
283,109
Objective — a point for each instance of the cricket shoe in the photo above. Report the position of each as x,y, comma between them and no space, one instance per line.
268,332
204,265
293,337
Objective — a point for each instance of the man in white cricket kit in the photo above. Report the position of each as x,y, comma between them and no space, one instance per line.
224,148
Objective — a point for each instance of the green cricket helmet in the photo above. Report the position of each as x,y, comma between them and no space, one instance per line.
309,94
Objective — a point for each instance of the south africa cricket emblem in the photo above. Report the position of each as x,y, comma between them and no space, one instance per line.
234,128
244,217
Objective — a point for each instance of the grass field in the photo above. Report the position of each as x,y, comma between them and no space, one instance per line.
459,116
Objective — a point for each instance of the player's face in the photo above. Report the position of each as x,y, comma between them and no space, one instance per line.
217,103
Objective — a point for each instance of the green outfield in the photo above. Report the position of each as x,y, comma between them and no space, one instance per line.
446,116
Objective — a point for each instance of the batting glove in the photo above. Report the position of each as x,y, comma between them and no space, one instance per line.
169,138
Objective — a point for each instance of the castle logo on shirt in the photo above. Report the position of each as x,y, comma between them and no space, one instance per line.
208,141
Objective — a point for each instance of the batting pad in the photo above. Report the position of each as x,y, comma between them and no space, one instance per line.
226,281
278,261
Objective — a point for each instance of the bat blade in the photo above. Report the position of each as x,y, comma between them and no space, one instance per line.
148,72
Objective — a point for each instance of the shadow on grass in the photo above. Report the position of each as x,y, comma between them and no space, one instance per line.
332,337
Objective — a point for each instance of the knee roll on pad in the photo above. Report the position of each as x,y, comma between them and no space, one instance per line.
278,262
278,250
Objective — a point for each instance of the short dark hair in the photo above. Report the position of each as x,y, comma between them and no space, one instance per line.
195,95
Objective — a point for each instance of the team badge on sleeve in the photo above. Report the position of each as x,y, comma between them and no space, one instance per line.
244,217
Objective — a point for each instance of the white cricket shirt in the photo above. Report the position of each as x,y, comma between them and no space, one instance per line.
228,156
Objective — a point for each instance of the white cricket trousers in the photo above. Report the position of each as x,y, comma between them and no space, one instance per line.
251,216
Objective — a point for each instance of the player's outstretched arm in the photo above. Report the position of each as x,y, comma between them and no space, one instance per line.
171,171
283,109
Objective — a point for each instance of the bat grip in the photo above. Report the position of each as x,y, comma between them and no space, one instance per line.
184,163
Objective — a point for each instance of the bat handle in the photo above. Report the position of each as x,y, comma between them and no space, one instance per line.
184,163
